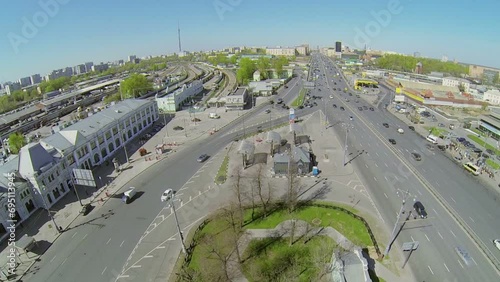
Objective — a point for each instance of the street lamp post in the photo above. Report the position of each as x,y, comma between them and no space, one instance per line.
347,127
47,208
396,224
181,236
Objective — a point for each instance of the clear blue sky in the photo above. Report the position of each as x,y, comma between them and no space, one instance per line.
103,30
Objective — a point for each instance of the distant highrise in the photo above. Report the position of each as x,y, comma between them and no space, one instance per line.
88,66
132,58
35,79
338,47
24,81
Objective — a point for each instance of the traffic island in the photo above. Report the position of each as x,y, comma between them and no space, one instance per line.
271,244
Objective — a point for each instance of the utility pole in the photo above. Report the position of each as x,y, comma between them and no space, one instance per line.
396,224
47,208
346,126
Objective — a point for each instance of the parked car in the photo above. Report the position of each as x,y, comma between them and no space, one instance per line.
490,151
360,108
86,209
416,156
267,111
420,210
441,125
202,158
334,106
401,131
365,108
166,195
392,141
411,127
372,109
496,242
342,108
386,125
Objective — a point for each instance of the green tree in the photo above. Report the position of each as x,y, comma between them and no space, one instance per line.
496,79
135,86
16,142
278,64
263,65
245,71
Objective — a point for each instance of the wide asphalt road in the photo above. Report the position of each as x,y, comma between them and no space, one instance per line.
97,246
385,167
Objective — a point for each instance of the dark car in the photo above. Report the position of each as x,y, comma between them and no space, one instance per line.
386,125
372,109
267,111
86,209
342,108
335,106
365,108
416,156
393,142
178,128
360,108
202,158
411,127
420,210
490,151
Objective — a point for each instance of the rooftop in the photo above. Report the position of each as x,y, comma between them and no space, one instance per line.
77,133
19,114
240,91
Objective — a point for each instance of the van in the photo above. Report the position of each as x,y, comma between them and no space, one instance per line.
433,139
472,168
128,195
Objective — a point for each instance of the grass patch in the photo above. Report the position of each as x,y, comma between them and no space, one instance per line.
272,260
436,131
300,99
352,228
222,173
494,165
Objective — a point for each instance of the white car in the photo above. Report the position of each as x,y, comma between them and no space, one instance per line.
166,195
331,96
497,243
401,131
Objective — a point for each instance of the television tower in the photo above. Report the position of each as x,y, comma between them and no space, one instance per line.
179,35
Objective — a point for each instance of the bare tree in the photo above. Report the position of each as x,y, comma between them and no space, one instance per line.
293,185
321,258
218,251
235,221
265,198
238,190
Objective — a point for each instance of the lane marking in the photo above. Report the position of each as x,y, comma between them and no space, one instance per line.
375,178
435,211
460,263
386,165
472,219
453,234
437,184
108,241
64,261
427,237
102,273
53,258
473,260
430,270
136,266
160,247
122,243
74,235
446,267
440,235
377,154
419,192
148,256
386,195
85,237
453,200
376,165
189,182
413,240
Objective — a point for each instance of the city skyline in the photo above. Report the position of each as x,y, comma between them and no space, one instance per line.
41,36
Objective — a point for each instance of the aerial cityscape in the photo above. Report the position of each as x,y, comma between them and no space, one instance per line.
249,141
